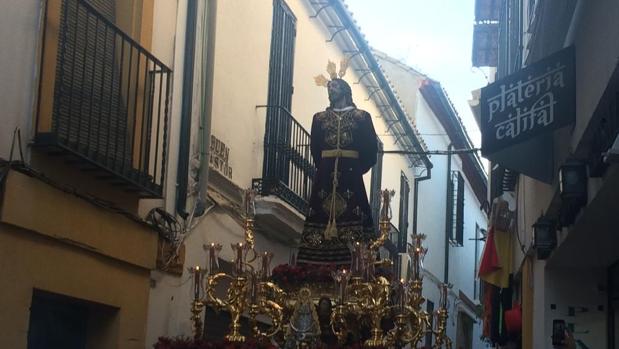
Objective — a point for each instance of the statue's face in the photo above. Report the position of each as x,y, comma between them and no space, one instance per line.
336,91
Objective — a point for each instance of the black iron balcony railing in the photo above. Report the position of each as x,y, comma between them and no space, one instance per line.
111,100
288,168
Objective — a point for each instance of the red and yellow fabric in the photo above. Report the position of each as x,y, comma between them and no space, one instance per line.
496,261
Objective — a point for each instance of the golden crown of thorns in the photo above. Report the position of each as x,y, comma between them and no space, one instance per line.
322,80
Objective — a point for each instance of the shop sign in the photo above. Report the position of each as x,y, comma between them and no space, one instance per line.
531,102
220,156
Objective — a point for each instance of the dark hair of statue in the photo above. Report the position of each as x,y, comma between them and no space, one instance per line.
347,92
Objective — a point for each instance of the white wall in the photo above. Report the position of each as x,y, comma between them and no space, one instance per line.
171,296
432,203
20,29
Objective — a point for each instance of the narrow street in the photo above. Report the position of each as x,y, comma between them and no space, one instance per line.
192,174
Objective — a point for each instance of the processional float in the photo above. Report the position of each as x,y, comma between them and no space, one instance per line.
360,295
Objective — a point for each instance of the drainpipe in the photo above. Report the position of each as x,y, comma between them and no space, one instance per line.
206,101
448,214
416,195
186,107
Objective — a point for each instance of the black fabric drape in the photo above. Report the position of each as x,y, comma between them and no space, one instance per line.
352,210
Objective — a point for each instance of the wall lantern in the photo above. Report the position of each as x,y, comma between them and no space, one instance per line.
573,181
544,236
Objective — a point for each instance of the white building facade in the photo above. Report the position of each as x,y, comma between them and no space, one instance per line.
448,202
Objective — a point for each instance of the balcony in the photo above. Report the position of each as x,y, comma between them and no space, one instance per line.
104,99
288,168
287,173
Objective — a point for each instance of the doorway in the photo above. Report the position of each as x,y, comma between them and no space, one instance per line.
61,322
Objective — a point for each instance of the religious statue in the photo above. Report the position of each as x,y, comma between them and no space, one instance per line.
304,325
344,147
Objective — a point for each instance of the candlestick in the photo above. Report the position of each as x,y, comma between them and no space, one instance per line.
265,272
417,252
197,283
444,294
213,257
250,208
356,267
341,281
416,264
385,213
238,248
253,296
401,295
368,265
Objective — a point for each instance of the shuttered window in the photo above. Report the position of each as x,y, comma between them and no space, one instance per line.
279,124
375,183
105,7
91,105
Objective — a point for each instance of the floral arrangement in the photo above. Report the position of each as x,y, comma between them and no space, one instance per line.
186,343
286,274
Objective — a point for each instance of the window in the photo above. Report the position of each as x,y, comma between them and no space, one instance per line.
403,226
279,124
456,214
282,55
377,175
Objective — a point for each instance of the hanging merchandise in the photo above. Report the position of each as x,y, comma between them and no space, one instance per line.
503,212
496,262
513,320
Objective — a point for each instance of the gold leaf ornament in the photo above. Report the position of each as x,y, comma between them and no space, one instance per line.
321,80
343,67
331,69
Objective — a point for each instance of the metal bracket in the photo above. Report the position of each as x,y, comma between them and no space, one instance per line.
354,54
341,29
366,72
391,124
324,6
372,93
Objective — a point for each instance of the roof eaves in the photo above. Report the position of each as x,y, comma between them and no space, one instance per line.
443,108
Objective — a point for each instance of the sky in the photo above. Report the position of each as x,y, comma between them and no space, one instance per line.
433,36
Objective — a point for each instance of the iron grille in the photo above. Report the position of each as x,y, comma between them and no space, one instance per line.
111,99
288,168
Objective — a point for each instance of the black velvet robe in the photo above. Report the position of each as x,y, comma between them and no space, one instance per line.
352,211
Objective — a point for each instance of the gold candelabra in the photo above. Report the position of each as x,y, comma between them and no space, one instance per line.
441,339
360,293
250,290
